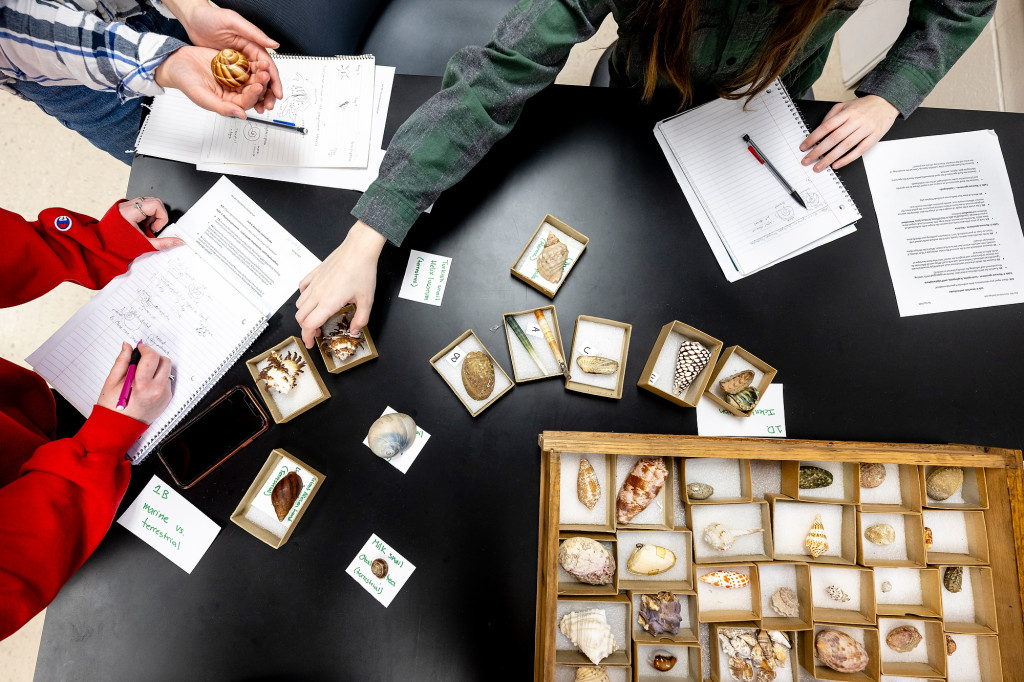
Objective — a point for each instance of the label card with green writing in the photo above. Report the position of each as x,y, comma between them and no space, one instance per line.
398,567
170,524
426,276
767,421
404,460
284,467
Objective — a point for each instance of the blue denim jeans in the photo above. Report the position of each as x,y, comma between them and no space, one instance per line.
99,116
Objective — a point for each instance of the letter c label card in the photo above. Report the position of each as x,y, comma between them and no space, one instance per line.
380,570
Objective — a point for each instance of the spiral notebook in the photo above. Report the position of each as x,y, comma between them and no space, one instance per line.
202,305
750,221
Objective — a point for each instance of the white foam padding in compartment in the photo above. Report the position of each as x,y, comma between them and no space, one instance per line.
765,477
896,678
566,577
523,363
332,323
965,496
527,265
734,365
655,511
772,578
782,673
680,671
453,373
602,340
847,579
958,607
616,613
714,598
721,474
570,510
265,521
665,366
949,531
677,502
685,603
306,389
567,673
906,586
793,520
888,492
836,491
964,665
736,517
897,551
673,540
918,654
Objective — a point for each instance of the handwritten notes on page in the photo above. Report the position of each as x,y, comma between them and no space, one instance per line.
170,524
386,588
404,460
426,277
767,421
949,225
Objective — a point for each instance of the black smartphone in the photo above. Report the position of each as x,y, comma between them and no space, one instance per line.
207,440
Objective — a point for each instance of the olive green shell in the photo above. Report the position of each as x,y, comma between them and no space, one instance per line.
745,400
814,477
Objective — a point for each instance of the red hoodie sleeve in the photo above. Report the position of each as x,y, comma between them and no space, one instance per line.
57,512
63,246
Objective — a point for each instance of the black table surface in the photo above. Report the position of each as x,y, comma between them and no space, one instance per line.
466,512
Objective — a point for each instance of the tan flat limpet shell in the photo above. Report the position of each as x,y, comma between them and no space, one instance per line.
478,375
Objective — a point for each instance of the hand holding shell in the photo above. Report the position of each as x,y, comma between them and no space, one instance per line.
230,68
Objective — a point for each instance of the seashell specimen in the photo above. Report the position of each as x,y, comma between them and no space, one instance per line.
285,493
640,488
836,593
478,375
781,653
763,655
814,477
722,538
737,382
840,652
741,669
281,372
340,344
762,675
650,560
953,579
785,603
230,68
699,491
903,639
727,648
588,488
872,475
379,568
391,434
927,537
593,364
780,638
886,586
692,358
727,579
880,534
589,630
943,482
816,542
591,674
660,613
745,400
551,260
950,645
587,560
663,661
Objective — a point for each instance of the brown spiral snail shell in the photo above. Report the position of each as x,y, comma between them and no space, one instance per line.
230,68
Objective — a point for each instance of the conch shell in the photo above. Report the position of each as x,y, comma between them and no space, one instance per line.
281,372
285,493
640,488
727,579
589,630
391,434
722,538
588,488
816,541
551,260
340,343
230,68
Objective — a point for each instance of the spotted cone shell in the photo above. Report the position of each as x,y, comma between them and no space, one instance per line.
728,579
230,68
692,358
588,488
816,542
551,260
640,488
589,630
478,375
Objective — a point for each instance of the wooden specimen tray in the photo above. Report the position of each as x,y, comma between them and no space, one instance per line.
1004,517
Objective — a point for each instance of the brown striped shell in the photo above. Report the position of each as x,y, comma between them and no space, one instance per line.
230,68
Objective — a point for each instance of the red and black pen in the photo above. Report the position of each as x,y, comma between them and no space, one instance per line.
759,155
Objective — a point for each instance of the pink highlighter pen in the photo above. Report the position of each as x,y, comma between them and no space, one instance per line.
126,389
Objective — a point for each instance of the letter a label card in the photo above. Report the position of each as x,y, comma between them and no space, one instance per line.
426,276
170,524
362,570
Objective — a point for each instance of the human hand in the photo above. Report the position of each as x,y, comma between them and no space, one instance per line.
149,216
188,69
348,275
849,129
151,387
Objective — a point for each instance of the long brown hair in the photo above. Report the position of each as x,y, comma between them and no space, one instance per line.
664,31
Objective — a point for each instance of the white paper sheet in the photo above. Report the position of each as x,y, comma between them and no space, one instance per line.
399,570
426,277
948,221
768,419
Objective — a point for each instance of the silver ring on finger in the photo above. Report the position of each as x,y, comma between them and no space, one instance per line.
138,205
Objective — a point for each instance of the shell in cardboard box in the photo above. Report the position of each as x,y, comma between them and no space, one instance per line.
690,361
591,674
840,651
587,560
903,639
953,579
589,631
816,541
588,488
943,482
812,477
478,375
722,538
872,475
650,560
660,613
880,534
699,491
745,400
730,580
593,364
551,260
785,603
285,493
641,486
737,382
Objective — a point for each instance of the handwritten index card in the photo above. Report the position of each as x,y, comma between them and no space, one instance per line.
399,569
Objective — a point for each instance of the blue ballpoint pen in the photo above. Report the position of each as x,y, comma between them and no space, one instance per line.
279,124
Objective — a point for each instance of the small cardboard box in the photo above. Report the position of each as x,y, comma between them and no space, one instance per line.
448,363
858,584
617,613
271,398
932,649
845,488
739,516
908,548
730,477
976,658
659,372
867,636
899,492
568,584
788,672
593,343
679,578
734,359
972,611
926,581
688,628
958,537
573,515
720,604
660,513
525,266
273,461
524,368
792,520
797,577
973,494
687,668
364,353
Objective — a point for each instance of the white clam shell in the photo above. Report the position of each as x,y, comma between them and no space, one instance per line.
391,435
589,630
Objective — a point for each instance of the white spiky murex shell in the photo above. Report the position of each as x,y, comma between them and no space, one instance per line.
281,373
816,542
690,360
391,434
589,631
591,674
340,343
722,537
